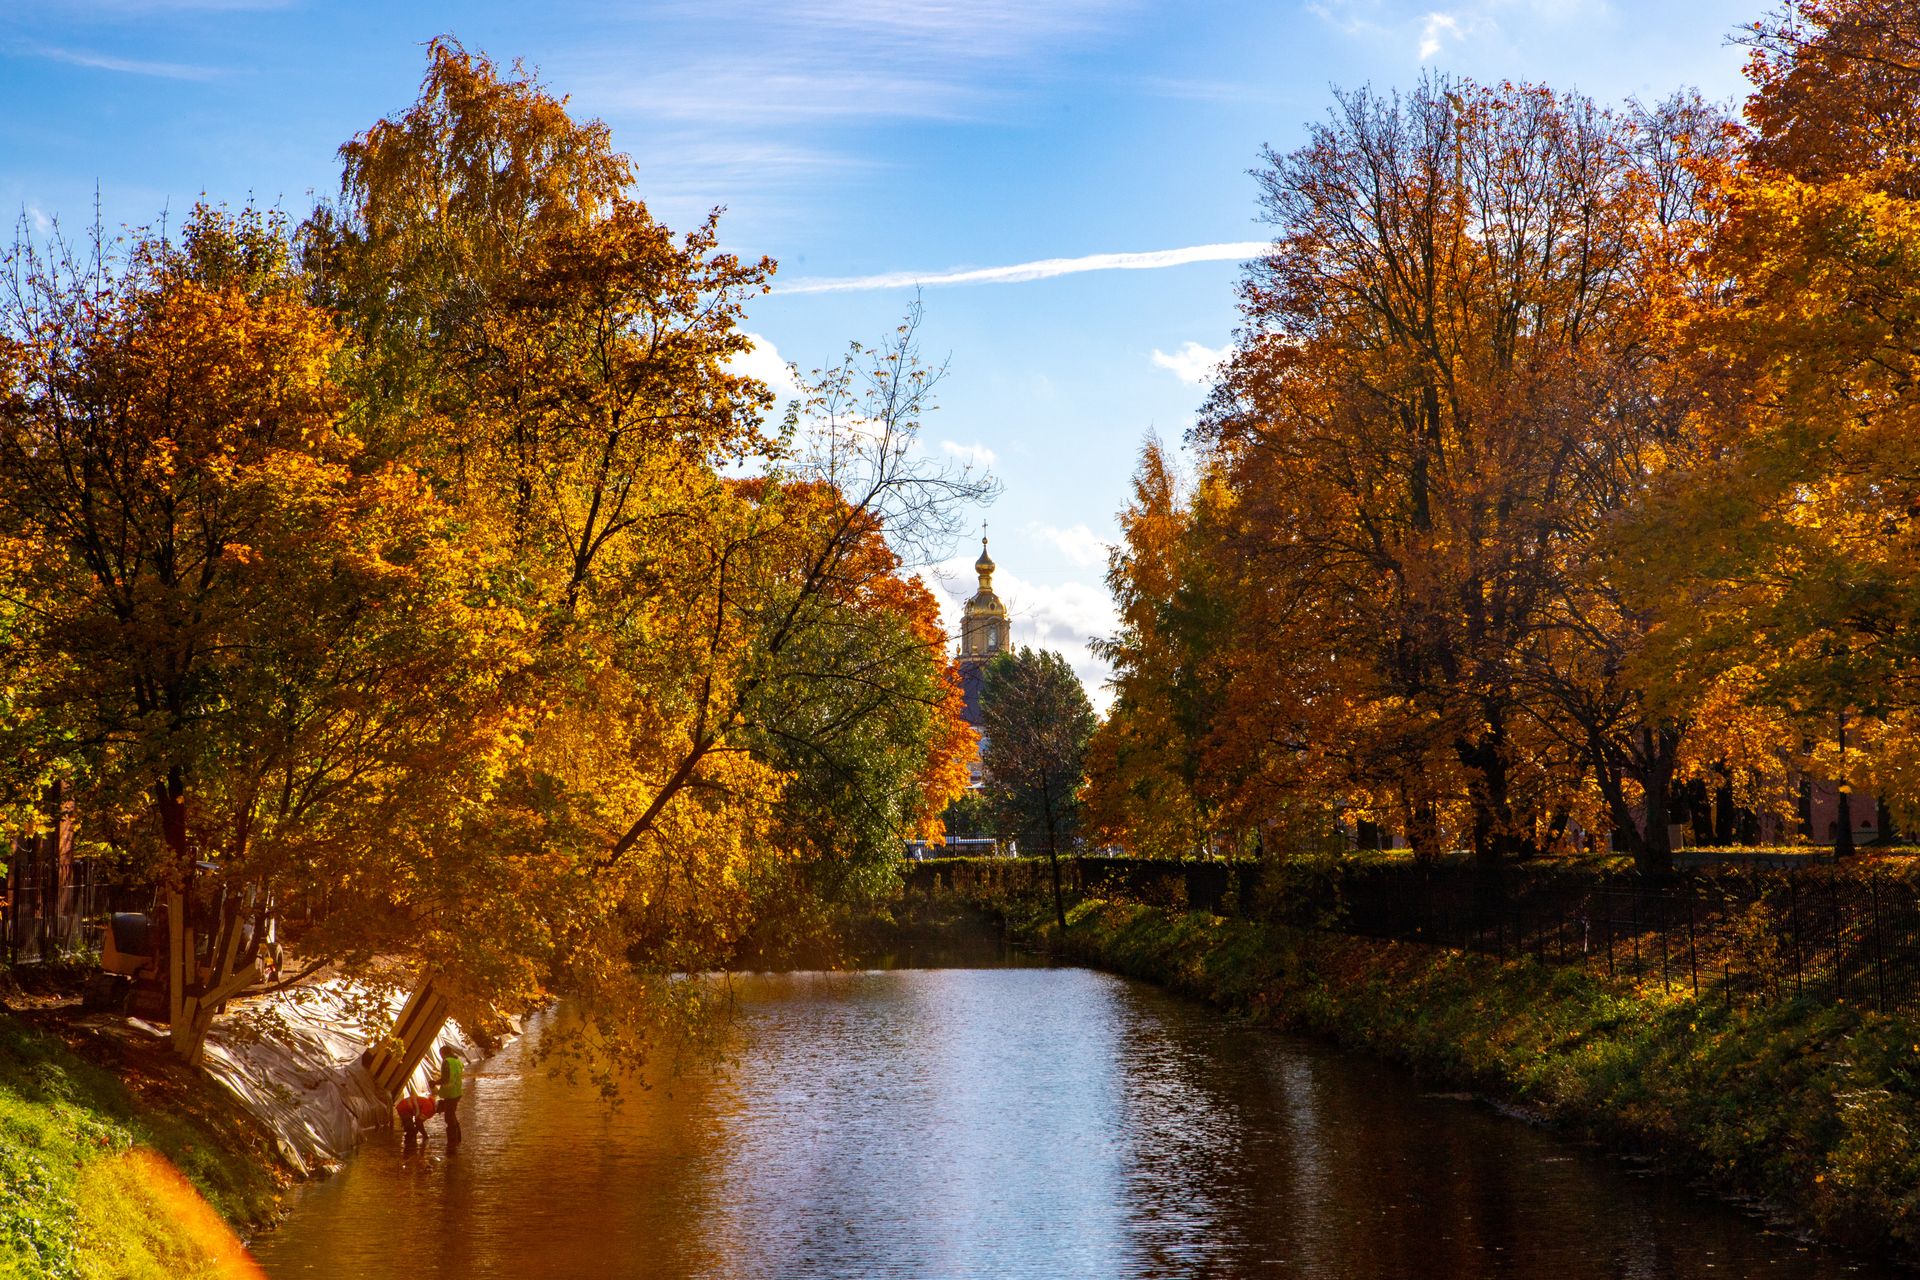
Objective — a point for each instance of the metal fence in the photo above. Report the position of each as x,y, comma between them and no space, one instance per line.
51,906
1845,933
1840,931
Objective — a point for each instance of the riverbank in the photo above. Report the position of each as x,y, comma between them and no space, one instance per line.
115,1161
1807,1108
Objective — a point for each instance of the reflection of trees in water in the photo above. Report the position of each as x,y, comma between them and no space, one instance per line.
1254,1153
1177,1128
1032,1122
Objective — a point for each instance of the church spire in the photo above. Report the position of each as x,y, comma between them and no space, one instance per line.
984,629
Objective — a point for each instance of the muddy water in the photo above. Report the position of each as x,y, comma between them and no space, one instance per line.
1005,1122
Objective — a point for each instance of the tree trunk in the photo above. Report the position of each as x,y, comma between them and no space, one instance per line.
1496,838
1607,774
1726,824
1053,857
1806,807
1655,856
1423,830
193,1000
60,923
1059,900
1843,807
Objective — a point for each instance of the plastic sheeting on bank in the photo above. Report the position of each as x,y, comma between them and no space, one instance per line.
293,1060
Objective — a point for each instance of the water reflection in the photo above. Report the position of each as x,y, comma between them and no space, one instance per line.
1004,1122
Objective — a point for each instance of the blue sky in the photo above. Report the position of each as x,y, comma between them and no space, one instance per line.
858,142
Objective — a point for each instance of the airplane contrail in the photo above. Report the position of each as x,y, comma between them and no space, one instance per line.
1044,269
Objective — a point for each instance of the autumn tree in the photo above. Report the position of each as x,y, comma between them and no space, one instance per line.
446,581
732,690
1832,92
864,717
261,655
1144,768
1788,553
1449,373
1036,719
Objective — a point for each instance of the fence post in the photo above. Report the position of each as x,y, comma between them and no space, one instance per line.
1693,955
1879,956
1666,915
1635,925
1839,947
1610,911
1793,932
10,910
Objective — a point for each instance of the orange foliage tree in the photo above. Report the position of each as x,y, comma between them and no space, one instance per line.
1434,349
264,655
413,576
1790,553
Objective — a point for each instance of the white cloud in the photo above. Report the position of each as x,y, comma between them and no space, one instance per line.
935,31
1192,363
1431,31
1064,616
763,361
1079,544
1344,16
975,455
127,66
798,77
765,95
1436,26
1043,269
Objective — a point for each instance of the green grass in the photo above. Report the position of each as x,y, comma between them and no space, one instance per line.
1811,1106
87,1164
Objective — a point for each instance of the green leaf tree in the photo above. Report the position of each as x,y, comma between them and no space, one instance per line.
1036,721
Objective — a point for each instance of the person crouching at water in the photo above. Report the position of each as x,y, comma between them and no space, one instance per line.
413,1111
450,1084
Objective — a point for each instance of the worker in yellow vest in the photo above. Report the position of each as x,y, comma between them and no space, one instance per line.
449,1085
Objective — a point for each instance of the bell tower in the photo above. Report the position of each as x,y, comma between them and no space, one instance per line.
985,633
984,629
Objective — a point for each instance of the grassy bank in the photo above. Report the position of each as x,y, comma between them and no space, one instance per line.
116,1162
1807,1105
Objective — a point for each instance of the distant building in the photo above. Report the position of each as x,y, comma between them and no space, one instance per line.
984,633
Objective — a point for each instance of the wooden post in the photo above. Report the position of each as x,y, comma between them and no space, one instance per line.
179,954
191,1007
396,1057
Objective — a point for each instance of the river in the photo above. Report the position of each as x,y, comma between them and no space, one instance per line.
1005,1122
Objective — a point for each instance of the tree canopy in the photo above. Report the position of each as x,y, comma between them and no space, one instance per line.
430,571
1561,479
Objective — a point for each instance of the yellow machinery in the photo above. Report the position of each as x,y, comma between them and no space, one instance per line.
136,959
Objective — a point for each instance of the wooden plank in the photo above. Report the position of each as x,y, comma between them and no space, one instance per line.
233,986
420,1020
179,947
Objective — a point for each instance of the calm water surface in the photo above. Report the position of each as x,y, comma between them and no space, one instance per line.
1009,1122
